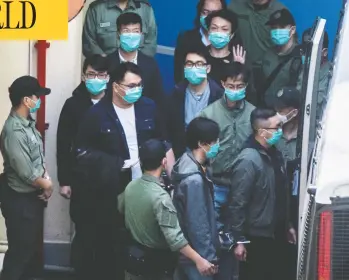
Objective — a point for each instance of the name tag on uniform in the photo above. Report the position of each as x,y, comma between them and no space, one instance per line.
104,24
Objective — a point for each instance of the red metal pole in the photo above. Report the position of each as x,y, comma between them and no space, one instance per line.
41,47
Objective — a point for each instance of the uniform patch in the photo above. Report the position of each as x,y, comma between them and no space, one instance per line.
104,24
168,215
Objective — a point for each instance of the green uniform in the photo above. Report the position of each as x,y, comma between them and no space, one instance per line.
323,87
99,34
235,128
287,148
284,77
252,30
150,215
22,151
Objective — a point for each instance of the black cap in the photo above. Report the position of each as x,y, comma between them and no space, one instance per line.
287,97
27,86
281,18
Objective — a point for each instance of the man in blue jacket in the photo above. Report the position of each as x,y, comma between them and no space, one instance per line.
107,160
191,96
193,197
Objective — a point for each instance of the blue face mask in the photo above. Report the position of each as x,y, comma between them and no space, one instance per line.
96,86
235,95
130,42
213,151
280,37
133,94
219,39
37,106
203,22
275,138
195,75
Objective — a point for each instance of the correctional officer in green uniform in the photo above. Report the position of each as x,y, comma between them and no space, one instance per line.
28,185
151,217
99,34
282,64
288,104
252,16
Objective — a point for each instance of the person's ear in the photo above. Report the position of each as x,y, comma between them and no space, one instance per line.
293,31
325,52
83,78
164,162
208,68
222,83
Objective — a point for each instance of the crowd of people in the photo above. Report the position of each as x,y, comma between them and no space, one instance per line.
192,185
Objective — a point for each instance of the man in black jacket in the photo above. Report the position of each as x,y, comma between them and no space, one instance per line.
129,26
258,202
89,92
108,159
191,96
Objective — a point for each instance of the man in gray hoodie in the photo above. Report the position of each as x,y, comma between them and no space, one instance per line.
193,196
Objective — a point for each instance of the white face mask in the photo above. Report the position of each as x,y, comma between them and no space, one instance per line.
287,118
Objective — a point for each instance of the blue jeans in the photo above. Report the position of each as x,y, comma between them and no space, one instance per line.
228,266
189,272
220,199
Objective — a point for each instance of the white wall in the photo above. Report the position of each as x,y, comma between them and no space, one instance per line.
14,58
63,75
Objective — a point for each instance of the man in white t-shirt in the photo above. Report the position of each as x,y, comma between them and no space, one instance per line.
107,159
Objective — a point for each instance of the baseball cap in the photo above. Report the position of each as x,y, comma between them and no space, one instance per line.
288,97
282,18
26,86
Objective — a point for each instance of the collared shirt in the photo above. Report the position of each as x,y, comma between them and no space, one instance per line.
235,128
134,60
204,40
22,151
195,103
150,215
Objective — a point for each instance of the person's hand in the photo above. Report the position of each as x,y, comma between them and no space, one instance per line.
46,194
292,236
206,268
239,54
240,252
65,191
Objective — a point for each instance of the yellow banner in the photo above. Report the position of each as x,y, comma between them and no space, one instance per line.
33,19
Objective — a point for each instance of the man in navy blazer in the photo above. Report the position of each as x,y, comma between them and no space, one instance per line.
107,160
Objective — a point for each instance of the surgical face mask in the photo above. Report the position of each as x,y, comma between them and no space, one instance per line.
287,118
203,22
130,42
195,75
280,37
275,138
213,151
96,86
219,39
235,95
133,94
36,107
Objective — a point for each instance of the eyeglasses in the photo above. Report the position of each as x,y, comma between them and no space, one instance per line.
132,85
91,75
198,64
236,87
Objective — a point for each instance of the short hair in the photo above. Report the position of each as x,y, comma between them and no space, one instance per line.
199,8
97,62
127,19
198,49
151,154
309,32
234,70
201,130
259,118
225,14
125,67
